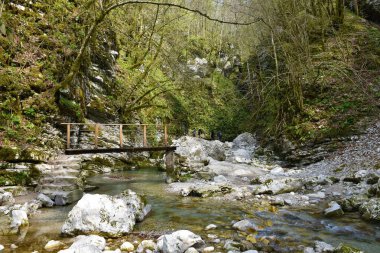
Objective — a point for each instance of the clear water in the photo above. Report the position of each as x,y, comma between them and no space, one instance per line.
291,227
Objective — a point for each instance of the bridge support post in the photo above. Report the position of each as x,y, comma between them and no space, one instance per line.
166,135
169,164
121,135
144,136
68,130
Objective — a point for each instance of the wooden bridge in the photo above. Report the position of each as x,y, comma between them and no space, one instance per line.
131,132
146,133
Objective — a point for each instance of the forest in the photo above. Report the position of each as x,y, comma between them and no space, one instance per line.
273,102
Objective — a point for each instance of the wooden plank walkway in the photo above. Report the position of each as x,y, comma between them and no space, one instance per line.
95,128
118,150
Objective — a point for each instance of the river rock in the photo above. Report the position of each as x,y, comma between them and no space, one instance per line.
342,248
1,248
353,203
370,210
146,245
250,251
220,179
107,215
19,218
206,190
308,250
53,245
374,191
191,250
334,209
278,186
45,200
191,149
277,171
211,226
232,245
112,251
179,241
127,246
208,249
246,225
317,195
321,247
241,156
244,141
6,198
86,244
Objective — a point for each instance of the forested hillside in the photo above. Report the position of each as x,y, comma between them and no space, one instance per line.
188,126
305,70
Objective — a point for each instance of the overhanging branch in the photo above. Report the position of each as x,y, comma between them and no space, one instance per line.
122,3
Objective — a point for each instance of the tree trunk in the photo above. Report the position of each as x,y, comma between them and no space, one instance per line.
356,6
339,14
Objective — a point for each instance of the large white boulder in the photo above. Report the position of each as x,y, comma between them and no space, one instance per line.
86,244
196,149
244,141
242,148
179,241
105,215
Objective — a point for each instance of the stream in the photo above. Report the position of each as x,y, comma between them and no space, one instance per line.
290,227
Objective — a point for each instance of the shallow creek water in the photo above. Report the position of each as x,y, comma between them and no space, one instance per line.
171,212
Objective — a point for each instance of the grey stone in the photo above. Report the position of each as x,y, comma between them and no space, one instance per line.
86,244
334,210
370,210
6,198
103,214
308,250
211,226
246,226
321,247
45,200
191,250
146,245
278,186
231,245
180,241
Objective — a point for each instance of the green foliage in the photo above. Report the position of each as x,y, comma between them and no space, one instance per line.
308,81
7,153
8,178
71,107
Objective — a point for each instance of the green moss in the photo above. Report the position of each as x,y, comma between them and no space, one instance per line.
8,178
268,181
71,107
7,153
343,248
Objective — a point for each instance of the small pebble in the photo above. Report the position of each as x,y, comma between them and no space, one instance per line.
208,249
211,226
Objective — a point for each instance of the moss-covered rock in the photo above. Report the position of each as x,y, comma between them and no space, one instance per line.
344,248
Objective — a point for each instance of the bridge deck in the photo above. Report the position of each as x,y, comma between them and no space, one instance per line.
118,150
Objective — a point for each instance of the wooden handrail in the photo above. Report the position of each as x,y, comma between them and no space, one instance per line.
92,124
97,127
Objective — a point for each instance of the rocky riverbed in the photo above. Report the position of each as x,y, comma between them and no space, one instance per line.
267,208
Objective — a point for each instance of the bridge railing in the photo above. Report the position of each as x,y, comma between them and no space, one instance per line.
145,134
